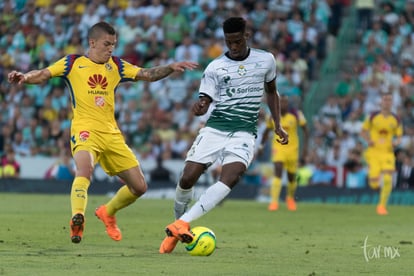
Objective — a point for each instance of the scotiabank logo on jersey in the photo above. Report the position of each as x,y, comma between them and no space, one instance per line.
97,80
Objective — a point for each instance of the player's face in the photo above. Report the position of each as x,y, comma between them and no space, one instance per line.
387,102
284,104
237,44
102,47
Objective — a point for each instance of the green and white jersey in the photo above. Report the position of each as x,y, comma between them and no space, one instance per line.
237,88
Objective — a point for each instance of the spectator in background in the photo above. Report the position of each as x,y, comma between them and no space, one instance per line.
160,173
188,50
9,167
141,136
365,14
355,173
63,169
304,173
353,124
347,85
43,144
179,145
331,110
322,175
154,10
5,137
405,171
21,146
175,90
175,24
336,155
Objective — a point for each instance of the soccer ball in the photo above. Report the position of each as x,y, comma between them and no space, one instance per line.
204,242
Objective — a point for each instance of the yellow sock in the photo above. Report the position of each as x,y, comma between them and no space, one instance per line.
291,188
122,199
79,195
385,190
275,188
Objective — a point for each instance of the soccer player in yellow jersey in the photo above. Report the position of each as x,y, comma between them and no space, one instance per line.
286,156
382,132
92,80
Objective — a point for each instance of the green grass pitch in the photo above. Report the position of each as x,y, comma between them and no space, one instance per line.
318,239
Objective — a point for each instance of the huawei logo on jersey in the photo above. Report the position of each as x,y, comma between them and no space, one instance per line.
97,80
383,132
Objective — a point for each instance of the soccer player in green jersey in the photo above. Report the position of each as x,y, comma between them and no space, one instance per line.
234,84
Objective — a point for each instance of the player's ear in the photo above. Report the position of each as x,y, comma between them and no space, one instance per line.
247,35
92,43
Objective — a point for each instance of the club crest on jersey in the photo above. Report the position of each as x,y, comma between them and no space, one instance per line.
83,135
108,67
242,70
99,101
97,80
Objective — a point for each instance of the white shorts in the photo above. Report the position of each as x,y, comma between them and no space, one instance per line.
226,147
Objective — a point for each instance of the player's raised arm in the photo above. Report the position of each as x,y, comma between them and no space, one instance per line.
160,72
32,77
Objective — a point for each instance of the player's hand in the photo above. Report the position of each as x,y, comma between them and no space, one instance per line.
16,77
183,65
201,107
284,137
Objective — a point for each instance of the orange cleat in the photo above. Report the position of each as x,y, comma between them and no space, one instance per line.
168,245
77,224
180,230
110,223
273,206
290,203
381,210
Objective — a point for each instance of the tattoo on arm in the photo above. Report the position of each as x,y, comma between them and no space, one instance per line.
155,73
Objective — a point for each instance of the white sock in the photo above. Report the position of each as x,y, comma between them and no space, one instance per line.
183,197
207,201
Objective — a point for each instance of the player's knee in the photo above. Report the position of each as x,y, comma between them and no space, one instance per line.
138,189
187,181
85,171
231,179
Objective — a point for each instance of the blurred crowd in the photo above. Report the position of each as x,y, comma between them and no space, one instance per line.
383,61
155,117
